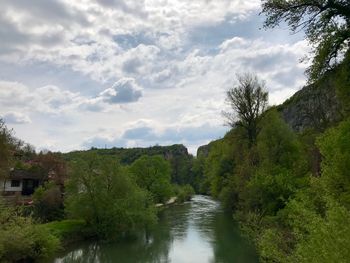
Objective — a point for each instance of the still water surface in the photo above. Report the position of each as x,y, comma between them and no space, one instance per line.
195,232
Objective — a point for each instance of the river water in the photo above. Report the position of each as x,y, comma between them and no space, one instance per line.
194,232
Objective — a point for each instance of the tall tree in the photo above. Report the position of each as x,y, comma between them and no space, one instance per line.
326,24
101,192
248,100
153,174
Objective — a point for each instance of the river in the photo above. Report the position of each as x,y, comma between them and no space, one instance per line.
194,232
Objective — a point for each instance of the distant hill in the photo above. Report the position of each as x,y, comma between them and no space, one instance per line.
177,155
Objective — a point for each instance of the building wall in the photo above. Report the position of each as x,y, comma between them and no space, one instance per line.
8,188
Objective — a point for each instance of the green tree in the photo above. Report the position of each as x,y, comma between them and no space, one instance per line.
326,24
316,227
181,169
101,192
48,202
153,174
198,180
248,100
278,145
335,148
328,238
6,140
52,167
218,166
313,226
280,170
343,83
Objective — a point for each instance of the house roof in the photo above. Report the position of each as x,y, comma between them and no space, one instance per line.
23,174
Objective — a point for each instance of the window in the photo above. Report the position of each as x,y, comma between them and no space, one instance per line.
15,183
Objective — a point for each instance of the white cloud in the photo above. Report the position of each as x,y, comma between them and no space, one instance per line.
47,99
157,67
16,118
124,90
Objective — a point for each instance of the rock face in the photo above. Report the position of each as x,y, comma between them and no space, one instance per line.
315,106
203,150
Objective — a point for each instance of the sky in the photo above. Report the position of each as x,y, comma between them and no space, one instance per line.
126,73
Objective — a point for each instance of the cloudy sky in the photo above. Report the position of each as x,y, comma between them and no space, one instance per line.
125,73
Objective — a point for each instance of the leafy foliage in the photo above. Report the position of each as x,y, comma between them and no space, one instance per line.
183,192
335,149
48,203
7,145
21,238
102,193
326,24
177,155
153,174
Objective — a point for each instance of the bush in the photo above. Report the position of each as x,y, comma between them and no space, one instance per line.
20,238
48,203
328,239
183,192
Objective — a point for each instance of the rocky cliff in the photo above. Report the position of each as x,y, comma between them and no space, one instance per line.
314,106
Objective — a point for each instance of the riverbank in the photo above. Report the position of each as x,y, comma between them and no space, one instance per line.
67,231
70,231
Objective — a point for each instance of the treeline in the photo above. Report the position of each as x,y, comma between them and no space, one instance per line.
177,155
87,194
289,190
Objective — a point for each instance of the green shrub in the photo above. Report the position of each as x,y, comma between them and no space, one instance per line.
20,238
183,192
328,238
48,203
335,148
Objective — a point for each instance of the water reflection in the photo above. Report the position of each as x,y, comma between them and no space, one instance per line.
193,232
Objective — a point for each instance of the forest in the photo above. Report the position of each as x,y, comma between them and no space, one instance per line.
281,171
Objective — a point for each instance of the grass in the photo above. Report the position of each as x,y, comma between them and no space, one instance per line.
67,230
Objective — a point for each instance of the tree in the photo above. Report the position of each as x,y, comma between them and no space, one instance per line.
52,167
153,174
6,140
102,193
48,203
280,168
326,24
248,101
334,146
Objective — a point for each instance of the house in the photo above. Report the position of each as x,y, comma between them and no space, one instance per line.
20,182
